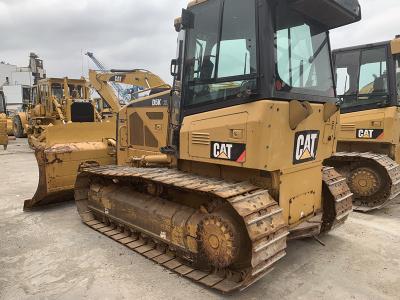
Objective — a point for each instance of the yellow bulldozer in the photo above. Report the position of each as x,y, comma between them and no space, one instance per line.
67,130
368,83
252,115
57,101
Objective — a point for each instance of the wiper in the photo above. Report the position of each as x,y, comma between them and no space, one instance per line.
312,58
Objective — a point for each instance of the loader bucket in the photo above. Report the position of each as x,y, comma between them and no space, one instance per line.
59,162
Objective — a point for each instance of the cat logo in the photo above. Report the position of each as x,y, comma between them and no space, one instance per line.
228,151
369,134
305,146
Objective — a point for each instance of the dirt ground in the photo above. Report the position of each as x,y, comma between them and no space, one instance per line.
50,254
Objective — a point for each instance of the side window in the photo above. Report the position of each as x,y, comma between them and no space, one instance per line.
46,90
234,59
57,90
302,54
238,49
42,94
2,103
218,70
398,76
347,66
373,73
294,65
35,99
26,94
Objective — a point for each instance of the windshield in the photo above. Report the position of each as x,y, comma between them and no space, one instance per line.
57,90
303,64
361,77
75,91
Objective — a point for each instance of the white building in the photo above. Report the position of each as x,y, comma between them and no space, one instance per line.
15,85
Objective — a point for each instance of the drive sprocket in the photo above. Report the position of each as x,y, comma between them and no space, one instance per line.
365,181
217,241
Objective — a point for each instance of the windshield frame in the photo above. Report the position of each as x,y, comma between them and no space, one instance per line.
391,77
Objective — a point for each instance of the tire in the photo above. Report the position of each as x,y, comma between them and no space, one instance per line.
18,128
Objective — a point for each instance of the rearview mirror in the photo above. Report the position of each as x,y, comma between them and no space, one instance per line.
174,67
187,19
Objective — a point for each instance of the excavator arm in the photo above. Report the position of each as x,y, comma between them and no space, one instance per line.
101,82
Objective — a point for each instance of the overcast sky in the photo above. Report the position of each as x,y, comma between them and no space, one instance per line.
132,33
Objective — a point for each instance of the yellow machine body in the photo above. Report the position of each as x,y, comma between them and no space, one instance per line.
267,150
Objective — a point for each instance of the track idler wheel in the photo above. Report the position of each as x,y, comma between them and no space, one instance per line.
218,242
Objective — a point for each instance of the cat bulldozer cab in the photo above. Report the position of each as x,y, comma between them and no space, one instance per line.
368,84
252,115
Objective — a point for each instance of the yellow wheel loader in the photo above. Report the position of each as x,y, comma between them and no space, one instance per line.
368,82
251,118
3,124
67,131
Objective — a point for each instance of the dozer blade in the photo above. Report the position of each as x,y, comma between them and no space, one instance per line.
59,157
58,168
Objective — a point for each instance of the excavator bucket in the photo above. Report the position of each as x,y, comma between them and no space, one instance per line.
59,159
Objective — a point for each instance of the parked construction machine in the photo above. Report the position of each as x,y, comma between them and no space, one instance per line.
18,119
368,82
3,124
67,130
58,101
251,117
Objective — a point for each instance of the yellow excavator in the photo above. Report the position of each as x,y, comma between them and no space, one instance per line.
251,117
68,134
368,83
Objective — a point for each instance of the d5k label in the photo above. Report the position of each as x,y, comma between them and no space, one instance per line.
228,151
370,134
305,146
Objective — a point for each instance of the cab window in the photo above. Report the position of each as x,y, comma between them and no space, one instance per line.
220,67
398,77
362,77
373,73
303,64
57,90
